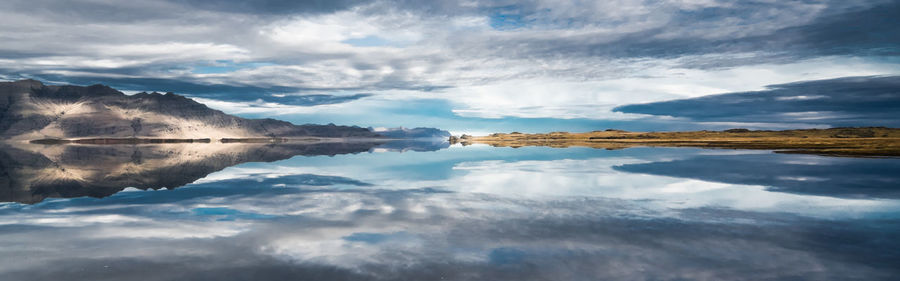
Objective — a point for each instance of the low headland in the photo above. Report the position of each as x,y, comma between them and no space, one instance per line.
855,142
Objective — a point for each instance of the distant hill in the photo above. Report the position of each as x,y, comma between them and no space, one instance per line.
862,142
414,133
30,110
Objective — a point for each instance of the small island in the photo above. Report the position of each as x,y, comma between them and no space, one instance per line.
855,142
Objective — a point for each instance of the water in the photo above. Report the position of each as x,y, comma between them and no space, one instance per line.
413,211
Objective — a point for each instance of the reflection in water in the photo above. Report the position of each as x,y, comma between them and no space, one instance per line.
37,172
102,170
800,174
466,213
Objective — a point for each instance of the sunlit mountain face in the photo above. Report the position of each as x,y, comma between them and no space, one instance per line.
352,140
34,111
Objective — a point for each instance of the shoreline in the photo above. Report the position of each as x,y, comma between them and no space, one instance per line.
850,142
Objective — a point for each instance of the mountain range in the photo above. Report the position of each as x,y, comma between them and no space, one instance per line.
30,110
414,133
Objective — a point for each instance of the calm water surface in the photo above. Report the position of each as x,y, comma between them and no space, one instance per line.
426,212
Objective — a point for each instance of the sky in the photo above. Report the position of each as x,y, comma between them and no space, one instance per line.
480,66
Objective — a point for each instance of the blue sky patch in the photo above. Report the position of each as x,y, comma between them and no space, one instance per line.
368,41
509,17
375,238
507,20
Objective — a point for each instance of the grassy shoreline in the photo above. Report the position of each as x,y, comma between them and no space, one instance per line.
857,142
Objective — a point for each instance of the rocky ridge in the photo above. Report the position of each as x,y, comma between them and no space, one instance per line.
30,110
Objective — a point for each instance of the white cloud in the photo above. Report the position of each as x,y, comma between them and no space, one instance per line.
174,51
559,97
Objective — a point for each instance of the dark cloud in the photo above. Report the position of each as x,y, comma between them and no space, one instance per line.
235,93
855,29
86,11
273,7
869,32
849,101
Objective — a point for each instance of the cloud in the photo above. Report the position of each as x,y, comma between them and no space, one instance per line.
234,227
246,95
272,6
521,59
850,101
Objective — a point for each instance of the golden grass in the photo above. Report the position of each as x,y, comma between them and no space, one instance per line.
871,141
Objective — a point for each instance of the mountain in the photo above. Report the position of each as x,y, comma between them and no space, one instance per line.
414,133
30,110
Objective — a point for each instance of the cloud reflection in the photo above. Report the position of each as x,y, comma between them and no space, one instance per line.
797,174
553,214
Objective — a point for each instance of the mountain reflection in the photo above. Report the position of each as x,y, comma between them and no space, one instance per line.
35,172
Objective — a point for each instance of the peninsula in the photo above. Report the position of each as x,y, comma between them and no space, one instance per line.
859,142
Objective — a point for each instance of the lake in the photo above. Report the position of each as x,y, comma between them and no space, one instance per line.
431,211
